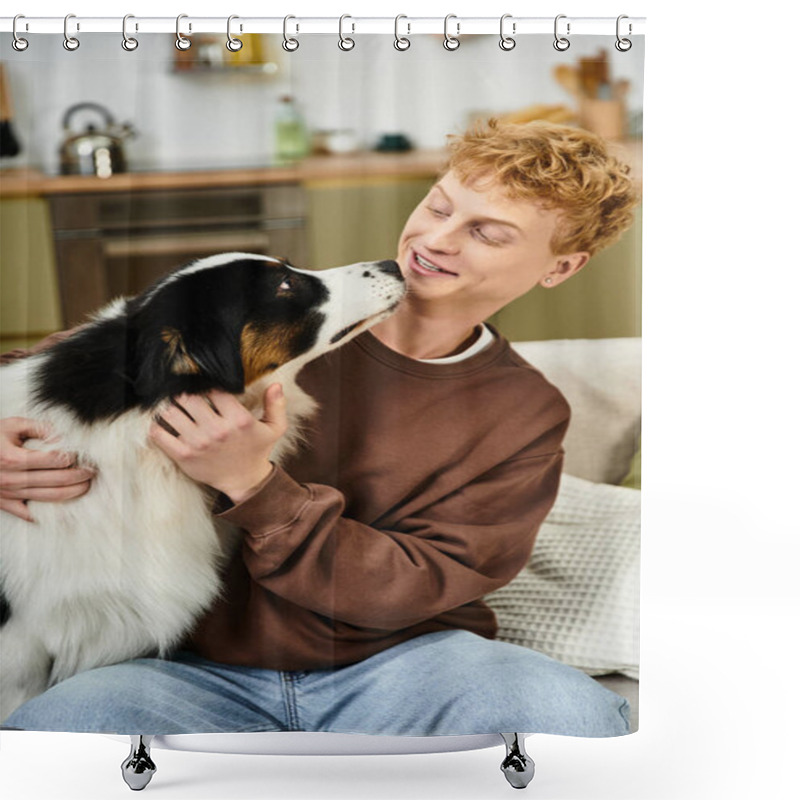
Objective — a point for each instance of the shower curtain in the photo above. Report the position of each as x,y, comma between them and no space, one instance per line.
128,163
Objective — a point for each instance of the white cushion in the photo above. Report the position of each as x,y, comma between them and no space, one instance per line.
577,600
601,379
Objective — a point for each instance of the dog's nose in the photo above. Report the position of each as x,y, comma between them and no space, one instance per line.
390,268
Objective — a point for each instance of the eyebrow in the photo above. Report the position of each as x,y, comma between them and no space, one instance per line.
505,222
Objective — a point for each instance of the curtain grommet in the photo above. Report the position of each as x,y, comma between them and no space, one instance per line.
561,43
449,42
401,43
129,43
181,42
622,44
289,43
346,43
507,42
234,45
71,43
18,43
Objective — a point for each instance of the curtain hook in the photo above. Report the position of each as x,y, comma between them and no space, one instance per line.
507,42
128,42
19,44
345,42
561,43
290,44
234,45
181,42
70,42
623,45
401,42
451,42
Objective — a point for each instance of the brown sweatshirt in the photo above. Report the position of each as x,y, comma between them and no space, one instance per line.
419,490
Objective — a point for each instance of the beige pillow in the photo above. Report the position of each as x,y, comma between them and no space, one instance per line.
601,379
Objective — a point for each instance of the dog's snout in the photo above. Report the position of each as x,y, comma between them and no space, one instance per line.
390,268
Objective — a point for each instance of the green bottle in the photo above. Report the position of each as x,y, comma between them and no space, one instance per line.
291,136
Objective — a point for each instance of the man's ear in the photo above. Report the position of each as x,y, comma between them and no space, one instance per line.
566,267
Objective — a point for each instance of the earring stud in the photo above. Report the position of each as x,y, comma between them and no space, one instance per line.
548,281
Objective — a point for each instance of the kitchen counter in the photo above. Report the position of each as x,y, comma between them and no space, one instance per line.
29,182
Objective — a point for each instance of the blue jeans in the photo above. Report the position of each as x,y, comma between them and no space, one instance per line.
447,683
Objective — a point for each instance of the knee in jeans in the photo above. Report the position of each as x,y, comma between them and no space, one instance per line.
80,703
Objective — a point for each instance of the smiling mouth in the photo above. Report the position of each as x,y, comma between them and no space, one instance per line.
428,266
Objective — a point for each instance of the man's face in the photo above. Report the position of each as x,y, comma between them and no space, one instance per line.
475,250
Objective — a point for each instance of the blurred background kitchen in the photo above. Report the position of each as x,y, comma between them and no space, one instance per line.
116,167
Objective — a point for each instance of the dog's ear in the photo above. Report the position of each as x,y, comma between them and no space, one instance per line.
209,356
176,362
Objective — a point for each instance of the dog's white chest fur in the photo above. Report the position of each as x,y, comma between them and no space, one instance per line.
127,567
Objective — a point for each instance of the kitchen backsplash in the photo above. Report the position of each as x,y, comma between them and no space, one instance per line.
188,120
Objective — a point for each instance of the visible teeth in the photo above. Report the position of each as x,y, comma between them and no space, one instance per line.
427,264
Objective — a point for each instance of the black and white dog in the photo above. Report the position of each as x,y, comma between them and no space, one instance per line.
126,569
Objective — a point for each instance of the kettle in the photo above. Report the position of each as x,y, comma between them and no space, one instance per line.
96,151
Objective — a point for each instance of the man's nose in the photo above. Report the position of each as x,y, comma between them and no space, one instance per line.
444,239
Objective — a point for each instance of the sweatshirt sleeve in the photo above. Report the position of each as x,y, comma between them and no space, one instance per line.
299,545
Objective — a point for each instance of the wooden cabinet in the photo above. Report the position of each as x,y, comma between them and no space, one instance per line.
359,219
109,244
29,303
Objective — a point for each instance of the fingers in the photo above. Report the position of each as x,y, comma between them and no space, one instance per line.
12,482
49,494
14,432
19,429
187,411
20,458
275,414
197,418
17,508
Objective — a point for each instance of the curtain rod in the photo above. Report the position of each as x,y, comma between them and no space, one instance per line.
408,26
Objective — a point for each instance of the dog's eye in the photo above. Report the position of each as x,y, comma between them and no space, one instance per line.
287,285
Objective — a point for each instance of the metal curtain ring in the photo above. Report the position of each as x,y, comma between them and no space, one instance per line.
451,42
234,45
561,43
623,45
70,42
507,42
128,42
181,42
290,44
345,42
19,44
401,42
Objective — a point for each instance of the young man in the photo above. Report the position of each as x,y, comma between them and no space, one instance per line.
356,605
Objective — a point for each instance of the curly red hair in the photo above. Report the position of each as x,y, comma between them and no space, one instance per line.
560,167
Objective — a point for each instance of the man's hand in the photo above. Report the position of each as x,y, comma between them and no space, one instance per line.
215,440
35,475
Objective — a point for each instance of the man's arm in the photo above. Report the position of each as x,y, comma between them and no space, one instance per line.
300,546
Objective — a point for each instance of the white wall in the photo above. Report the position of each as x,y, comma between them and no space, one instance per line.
217,120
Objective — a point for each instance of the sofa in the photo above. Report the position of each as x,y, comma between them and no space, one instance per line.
577,600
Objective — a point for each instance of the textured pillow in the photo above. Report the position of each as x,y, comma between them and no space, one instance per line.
577,600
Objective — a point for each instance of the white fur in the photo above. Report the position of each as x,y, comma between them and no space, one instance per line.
126,569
